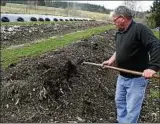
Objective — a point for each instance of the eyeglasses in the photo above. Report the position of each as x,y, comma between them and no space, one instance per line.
114,20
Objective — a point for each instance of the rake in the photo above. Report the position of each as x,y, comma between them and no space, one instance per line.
120,69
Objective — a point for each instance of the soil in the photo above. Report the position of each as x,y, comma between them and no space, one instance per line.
16,35
56,86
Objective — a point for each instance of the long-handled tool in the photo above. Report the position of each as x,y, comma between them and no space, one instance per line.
121,69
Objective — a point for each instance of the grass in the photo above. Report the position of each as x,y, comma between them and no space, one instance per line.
26,23
157,34
10,56
154,93
34,23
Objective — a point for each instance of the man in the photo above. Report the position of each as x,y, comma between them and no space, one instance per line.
136,49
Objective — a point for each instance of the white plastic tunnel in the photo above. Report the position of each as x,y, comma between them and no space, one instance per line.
35,17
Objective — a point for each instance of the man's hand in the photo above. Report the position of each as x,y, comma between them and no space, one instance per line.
148,73
108,62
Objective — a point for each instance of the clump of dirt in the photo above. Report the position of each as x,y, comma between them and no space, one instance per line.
15,35
56,87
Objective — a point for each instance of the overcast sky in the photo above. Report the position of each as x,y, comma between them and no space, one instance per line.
144,5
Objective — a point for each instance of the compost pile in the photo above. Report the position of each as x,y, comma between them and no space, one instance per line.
56,87
16,34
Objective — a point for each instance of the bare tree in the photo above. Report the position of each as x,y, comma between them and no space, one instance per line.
32,4
132,4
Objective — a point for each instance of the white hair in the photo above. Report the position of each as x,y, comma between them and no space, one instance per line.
122,10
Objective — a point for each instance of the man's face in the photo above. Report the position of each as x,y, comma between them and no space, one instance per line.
119,21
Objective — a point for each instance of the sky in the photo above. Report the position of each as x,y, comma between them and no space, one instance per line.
143,5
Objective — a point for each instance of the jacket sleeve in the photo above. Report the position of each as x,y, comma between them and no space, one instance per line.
152,44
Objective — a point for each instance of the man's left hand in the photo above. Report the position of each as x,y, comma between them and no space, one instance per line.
148,73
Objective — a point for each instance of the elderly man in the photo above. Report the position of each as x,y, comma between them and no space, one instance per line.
134,43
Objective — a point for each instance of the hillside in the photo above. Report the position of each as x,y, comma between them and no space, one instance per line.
21,8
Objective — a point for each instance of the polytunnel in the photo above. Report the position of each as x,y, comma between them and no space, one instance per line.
47,19
40,19
33,19
5,19
36,17
20,19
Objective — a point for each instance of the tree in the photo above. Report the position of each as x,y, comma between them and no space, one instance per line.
132,5
41,2
154,18
3,3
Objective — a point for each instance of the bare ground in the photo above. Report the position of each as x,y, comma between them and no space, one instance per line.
57,87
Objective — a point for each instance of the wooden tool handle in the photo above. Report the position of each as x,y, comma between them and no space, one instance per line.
120,69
